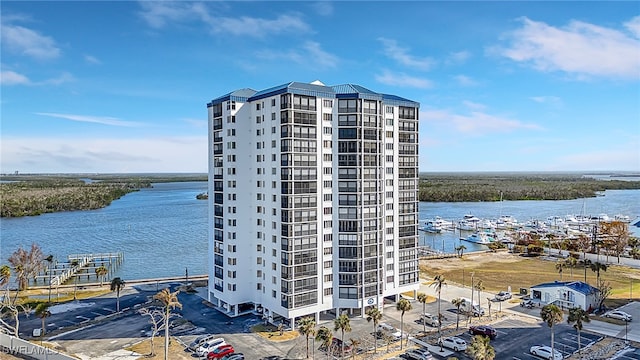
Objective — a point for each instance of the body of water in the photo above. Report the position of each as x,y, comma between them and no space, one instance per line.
163,230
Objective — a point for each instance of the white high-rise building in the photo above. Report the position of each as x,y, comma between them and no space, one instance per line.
312,200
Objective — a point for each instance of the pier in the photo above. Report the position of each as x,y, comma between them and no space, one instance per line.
78,266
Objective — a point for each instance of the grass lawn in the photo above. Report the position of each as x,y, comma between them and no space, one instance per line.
500,270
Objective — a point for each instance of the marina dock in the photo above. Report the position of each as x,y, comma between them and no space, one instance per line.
79,268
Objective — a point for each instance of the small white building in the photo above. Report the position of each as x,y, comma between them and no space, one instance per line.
566,294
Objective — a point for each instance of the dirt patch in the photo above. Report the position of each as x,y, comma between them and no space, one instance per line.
176,350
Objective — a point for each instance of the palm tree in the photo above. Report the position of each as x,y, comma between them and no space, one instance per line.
306,327
560,266
116,285
479,286
457,302
422,298
354,346
42,311
438,282
75,264
5,275
597,267
169,301
481,349
577,316
587,264
551,314
343,324
403,305
571,262
101,271
460,249
373,314
325,336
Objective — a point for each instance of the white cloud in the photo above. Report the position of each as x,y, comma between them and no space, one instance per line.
579,48
459,57
475,122
309,53
104,155
633,26
159,14
473,105
92,59
13,78
28,42
403,80
553,100
464,80
323,8
104,120
401,55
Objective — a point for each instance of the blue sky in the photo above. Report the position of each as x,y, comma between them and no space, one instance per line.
503,86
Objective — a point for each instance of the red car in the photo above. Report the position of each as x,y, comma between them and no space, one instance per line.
220,352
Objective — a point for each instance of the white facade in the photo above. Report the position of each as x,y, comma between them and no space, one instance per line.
566,294
312,200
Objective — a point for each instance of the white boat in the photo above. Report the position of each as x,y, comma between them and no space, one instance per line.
482,238
438,225
469,222
506,222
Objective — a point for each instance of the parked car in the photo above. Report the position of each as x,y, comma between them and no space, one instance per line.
527,303
503,295
200,340
220,352
233,356
418,354
429,319
485,330
618,314
453,342
386,329
544,352
209,346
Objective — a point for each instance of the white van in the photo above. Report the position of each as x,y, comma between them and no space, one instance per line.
475,310
209,346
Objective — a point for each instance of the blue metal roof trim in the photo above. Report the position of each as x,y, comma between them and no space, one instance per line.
578,286
241,95
357,91
295,88
400,101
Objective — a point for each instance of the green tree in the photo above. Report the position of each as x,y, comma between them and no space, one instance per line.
169,301
457,302
577,317
354,345
116,285
101,272
571,262
551,315
402,305
325,336
559,267
42,311
342,324
587,264
438,283
479,286
460,250
374,315
596,267
422,298
481,349
306,327
5,276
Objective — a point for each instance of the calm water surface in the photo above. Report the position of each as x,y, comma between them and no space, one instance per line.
163,230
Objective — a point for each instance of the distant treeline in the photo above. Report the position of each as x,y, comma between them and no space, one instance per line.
493,187
28,198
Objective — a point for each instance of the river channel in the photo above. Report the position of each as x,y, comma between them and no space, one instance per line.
162,230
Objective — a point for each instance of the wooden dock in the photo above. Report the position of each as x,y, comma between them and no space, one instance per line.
78,266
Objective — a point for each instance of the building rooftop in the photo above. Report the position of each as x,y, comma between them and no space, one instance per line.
578,286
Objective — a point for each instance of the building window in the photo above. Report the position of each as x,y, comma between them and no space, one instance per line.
327,103
273,294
